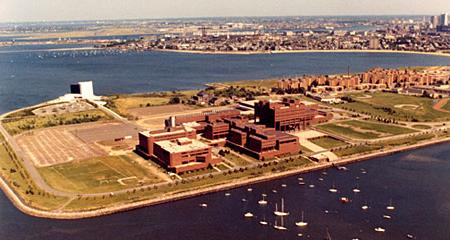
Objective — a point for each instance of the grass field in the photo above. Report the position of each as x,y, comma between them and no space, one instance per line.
97,175
237,160
14,173
364,129
347,131
328,142
421,126
356,149
395,106
446,106
19,125
122,103
389,129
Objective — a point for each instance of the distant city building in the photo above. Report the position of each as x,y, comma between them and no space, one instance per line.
434,21
443,20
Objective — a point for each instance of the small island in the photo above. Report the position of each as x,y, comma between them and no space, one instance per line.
83,155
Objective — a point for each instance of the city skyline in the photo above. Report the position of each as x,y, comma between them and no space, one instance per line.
70,10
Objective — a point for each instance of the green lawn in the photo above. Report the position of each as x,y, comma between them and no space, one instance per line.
390,129
346,131
237,160
19,125
328,142
356,149
421,126
447,106
97,175
387,105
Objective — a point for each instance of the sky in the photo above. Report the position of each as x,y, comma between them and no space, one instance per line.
55,10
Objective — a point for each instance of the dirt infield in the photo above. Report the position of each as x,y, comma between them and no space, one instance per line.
438,106
56,145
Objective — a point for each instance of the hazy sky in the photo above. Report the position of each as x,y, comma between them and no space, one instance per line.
32,10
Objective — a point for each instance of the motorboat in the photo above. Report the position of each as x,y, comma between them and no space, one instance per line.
390,206
248,215
380,229
203,205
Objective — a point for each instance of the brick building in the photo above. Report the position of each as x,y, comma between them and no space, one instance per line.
175,148
259,141
289,114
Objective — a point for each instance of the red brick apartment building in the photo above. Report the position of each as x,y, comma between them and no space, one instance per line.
289,114
175,148
374,78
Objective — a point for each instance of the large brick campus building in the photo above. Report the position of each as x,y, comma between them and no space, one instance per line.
177,148
377,78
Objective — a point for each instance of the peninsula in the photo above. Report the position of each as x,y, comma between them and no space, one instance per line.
83,155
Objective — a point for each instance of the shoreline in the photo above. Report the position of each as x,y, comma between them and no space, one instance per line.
441,54
19,204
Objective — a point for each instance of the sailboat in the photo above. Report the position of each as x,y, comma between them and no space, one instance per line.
279,227
356,189
302,223
282,212
263,201
263,221
390,206
333,189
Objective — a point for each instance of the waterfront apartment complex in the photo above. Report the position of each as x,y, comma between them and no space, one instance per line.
377,78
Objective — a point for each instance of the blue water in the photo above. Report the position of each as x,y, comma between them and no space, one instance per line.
31,77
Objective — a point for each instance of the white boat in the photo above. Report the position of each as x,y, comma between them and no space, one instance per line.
203,205
249,189
356,189
244,200
365,207
263,201
274,191
281,226
282,212
387,216
380,229
300,179
320,179
333,189
311,186
301,183
390,206
302,223
283,185
227,194
263,222
248,215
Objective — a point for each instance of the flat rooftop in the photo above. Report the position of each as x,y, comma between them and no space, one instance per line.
176,147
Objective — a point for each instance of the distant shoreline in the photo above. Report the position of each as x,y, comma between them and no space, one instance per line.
440,54
300,51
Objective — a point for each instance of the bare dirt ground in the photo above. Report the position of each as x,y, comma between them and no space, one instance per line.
149,111
55,145
156,120
105,131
